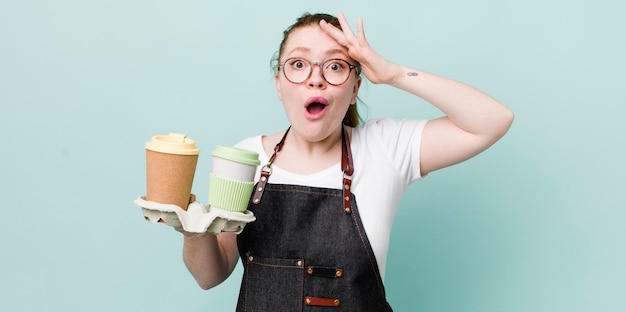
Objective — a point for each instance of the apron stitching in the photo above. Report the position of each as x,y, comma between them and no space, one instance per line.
277,266
308,192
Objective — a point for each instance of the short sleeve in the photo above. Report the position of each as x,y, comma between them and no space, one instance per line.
400,140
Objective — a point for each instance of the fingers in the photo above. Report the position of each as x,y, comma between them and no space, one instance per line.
345,36
347,31
357,45
360,30
334,32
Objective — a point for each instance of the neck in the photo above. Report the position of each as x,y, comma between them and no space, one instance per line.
303,156
308,147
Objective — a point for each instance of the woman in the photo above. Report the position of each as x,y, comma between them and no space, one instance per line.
326,198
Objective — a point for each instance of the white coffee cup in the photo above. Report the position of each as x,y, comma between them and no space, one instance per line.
231,180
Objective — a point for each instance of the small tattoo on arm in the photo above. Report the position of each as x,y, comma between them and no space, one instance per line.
412,74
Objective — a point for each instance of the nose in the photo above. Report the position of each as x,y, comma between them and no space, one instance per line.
316,80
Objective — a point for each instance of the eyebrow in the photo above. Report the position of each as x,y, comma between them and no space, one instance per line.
328,52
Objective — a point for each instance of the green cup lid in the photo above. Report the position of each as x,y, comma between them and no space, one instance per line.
237,154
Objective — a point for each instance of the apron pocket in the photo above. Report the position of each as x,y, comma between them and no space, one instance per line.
273,284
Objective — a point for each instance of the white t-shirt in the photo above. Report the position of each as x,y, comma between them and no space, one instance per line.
386,156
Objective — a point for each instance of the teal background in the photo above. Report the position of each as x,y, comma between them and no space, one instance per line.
536,223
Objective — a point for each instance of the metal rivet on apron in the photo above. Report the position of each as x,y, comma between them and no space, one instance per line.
346,186
348,210
337,302
309,270
307,300
263,178
256,200
250,258
338,273
299,263
259,189
347,198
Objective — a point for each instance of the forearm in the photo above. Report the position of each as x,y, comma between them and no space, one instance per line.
470,109
206,259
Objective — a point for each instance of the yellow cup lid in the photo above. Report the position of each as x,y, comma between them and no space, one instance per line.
173,143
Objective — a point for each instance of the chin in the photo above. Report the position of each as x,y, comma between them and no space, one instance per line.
315,132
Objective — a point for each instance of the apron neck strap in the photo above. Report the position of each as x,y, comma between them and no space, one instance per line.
346,154
348,170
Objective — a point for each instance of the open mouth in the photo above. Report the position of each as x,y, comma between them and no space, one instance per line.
315,107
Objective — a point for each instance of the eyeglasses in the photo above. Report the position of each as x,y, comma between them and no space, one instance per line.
334,71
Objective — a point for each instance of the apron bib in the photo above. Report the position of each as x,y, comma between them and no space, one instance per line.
307,249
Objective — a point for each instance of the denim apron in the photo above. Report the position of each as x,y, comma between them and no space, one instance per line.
307,249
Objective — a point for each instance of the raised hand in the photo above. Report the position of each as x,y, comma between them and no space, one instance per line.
376,68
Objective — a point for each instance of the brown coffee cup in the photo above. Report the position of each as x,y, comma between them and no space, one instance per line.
170,168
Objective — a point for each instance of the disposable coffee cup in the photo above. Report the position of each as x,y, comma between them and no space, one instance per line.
170,168
231,180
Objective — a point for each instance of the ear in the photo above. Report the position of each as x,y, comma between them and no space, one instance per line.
355,90
277,83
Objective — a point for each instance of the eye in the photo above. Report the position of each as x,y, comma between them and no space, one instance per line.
336,65
298,64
